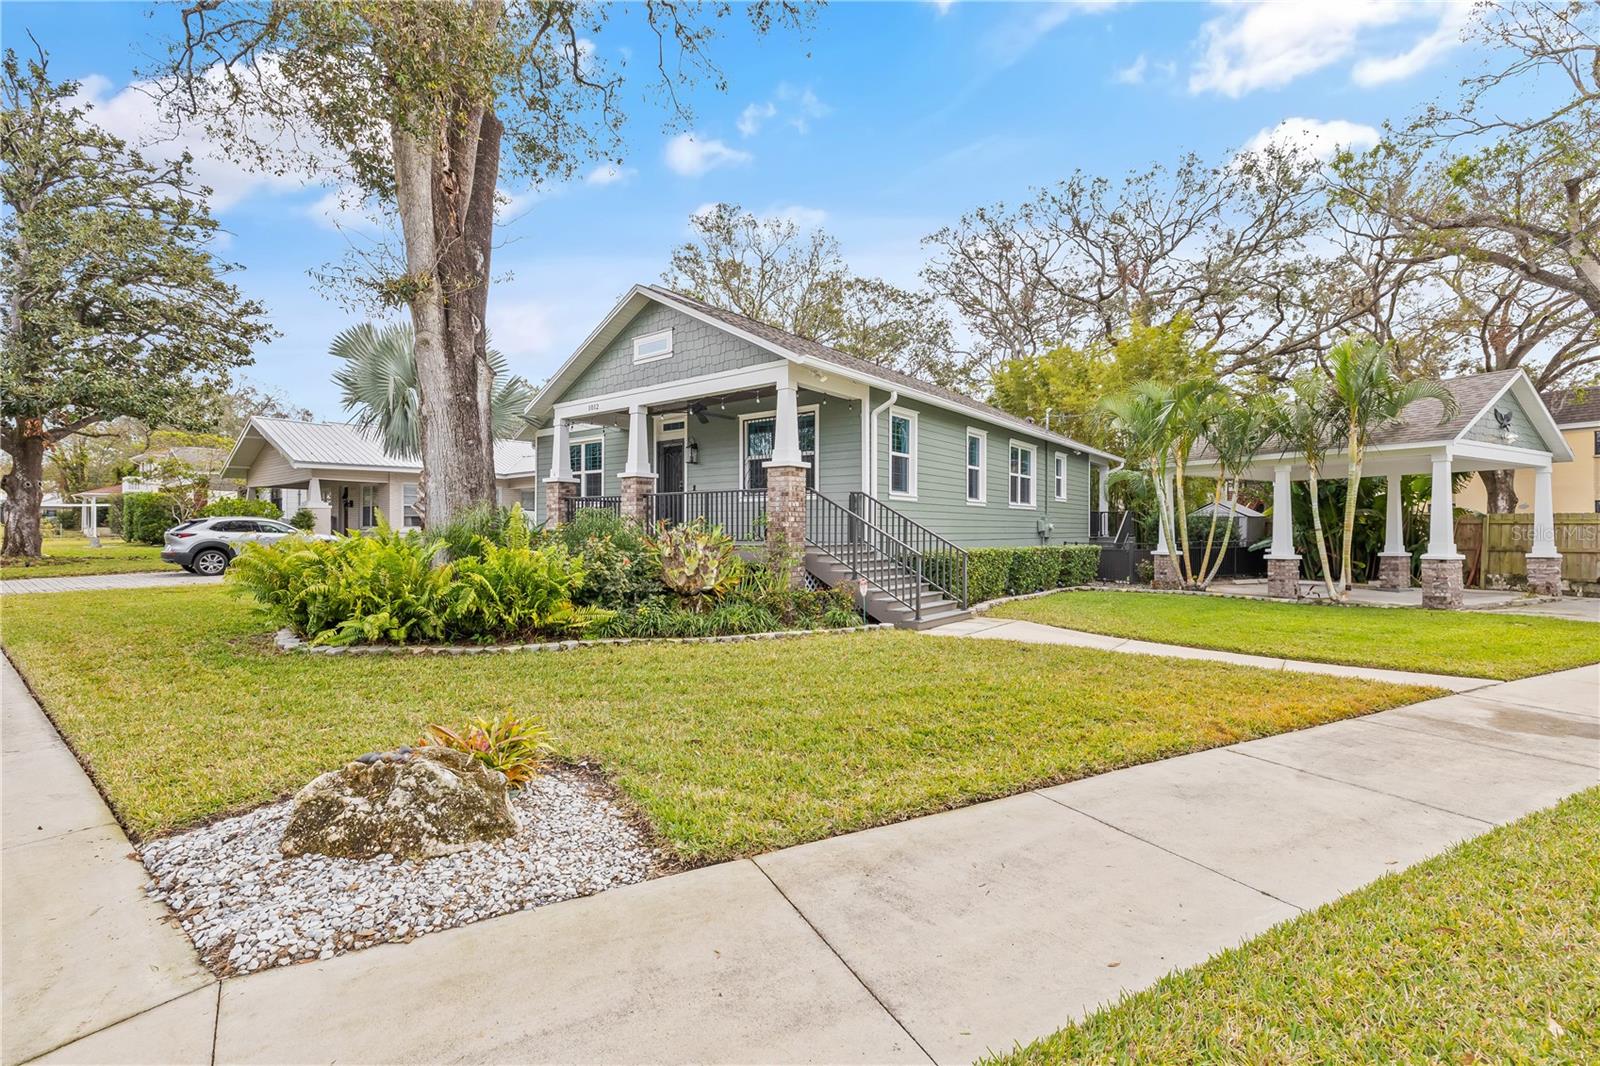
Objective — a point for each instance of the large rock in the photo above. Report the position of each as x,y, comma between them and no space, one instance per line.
410,804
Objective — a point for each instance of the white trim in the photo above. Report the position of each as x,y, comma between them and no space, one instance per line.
761,374
982,467
580,473
815,410
1033,476
661,433
1058,476
650,338
910,455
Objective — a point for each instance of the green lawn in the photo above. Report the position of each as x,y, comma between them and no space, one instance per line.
1464,643
1489,953
182,711
69,555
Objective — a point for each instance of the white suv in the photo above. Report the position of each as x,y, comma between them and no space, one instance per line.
206,546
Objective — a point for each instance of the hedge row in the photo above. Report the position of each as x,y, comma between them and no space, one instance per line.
996,572
240,505
145,517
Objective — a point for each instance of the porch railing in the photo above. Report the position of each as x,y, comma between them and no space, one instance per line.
891,565
944,564
573,504
742,513
1108,525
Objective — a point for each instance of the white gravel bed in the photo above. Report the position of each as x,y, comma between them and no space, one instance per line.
247,907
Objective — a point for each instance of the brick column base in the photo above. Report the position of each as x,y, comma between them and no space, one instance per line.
786,517
1166,576
636,490
1394,571
556,493
1283,577
1441,583
1544,575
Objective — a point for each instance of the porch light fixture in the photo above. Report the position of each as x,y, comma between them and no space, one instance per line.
692,453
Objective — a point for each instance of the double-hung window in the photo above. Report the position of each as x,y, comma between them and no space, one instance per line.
902,453
410,516
760,435
1061,477
977,465
1023,457
369,506
588,460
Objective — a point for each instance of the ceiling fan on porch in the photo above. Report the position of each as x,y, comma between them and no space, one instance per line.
704,414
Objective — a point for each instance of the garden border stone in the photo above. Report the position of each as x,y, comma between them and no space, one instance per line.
287,641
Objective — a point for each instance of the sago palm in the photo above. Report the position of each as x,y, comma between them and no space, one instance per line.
378,382
1366,394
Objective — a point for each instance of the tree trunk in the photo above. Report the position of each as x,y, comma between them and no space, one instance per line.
24,488
1500,490
1316,529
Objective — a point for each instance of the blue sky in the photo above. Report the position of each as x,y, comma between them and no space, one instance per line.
886,122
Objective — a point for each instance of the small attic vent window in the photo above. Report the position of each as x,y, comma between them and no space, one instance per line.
652,346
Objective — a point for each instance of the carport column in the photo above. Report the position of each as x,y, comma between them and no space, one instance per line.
1441,566
560,486
89,522
1103,501
1166,567
637,480
1544,562
320,511
786,487
1394,564
1283,564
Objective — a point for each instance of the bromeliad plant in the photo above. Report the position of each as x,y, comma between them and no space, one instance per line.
514,744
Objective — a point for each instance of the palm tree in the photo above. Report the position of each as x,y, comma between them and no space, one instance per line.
1301,420
379,383
1236,432
1187,408
1365,395
1136,418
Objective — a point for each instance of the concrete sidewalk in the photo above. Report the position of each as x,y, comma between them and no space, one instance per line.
1037,633
933,939
155,579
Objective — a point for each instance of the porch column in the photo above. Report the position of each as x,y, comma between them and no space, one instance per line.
1283,562
637,480
1166,567
786,488
89,522
560,486
1544,562
318,507
1441,566
1103,501
1394,564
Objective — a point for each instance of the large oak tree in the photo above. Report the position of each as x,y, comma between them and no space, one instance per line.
413,103
115,306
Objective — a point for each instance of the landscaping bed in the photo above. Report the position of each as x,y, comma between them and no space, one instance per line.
183,710
1488,953
1462,643
247,907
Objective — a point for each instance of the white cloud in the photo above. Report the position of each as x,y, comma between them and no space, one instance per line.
1015,37
1445,36
944,6
1133,73
1318,137
753,115
608,174
345,209
802,105
801,216
693,156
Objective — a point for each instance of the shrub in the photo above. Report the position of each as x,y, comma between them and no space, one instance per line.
146,516
987,569
303,519
242,506
696,559
114,516
1145,572
995,572
508,742
620,570
1080,565
515,590
1032,570
484,524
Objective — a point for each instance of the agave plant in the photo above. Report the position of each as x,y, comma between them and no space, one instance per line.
697,559
379,383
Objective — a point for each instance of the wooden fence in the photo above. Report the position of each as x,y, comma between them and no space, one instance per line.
1496,545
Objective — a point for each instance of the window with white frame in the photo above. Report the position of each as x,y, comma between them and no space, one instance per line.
902,453
652,346
588,461
369,506
529,499
759,434
410,516
977,466
1061,477
1023,458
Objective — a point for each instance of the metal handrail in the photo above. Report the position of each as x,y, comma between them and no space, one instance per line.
945,563
859,543
573,504
740,513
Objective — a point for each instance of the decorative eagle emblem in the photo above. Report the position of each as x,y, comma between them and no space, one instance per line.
1503,420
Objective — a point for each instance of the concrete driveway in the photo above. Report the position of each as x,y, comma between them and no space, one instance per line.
935,939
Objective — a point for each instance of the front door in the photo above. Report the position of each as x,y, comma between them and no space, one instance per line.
669,479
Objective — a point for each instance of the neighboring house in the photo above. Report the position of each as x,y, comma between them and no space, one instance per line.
1249,524
1575,485
673,409
158,469
344,475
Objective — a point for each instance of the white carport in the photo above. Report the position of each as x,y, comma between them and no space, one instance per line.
1500,423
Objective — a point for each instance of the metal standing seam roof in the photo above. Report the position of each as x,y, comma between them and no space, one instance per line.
342,444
